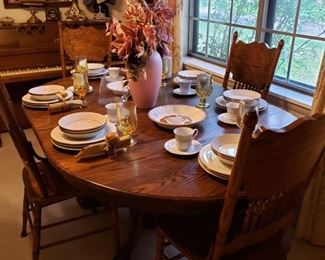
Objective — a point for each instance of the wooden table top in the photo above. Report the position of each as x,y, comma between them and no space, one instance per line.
147,177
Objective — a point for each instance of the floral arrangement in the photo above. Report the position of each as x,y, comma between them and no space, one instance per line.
147,28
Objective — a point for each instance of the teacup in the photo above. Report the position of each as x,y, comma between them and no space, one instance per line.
184,85
232,110
184,137
111,112
114,72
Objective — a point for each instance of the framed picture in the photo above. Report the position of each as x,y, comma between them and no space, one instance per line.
35,3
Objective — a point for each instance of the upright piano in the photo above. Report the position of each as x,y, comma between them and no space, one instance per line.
29,52
29,56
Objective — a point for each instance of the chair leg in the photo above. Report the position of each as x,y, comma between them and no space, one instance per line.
116,230
160,246
37,212
25,213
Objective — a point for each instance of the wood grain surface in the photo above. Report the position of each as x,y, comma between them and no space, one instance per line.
146,176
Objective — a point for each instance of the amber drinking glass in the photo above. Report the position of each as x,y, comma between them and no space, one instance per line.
80,84
81,64
127,119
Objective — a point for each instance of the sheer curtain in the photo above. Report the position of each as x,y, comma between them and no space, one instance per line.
177,6
311,224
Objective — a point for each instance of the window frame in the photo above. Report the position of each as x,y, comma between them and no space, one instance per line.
260,31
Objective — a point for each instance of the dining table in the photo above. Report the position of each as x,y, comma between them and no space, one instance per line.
145,176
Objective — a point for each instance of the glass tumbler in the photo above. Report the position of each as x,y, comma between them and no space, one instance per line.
80,84
81,64
203,89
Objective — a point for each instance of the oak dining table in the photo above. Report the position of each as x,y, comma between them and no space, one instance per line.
146,177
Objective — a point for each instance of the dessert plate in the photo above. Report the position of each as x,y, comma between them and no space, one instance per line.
45,92
221,102
178,91
171,147
211,163
224,118
172,116
237,95
177,80
189,74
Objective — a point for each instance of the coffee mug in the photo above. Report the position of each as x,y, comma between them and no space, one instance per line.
232,110
114,72
184,137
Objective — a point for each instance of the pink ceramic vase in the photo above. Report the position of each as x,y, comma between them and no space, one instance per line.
145,90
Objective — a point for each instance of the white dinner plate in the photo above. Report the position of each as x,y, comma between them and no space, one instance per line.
171,147
224,118
61,140
240,94
221,102
82,122
211,163
190,92
189,74
29,101
172,116
95,66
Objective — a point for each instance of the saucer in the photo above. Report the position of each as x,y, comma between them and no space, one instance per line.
178,91
170,146
91,89
224,118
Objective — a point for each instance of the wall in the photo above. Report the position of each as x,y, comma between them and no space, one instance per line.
21,15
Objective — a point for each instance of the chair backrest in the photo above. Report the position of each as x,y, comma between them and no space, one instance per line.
84,39
252,65
18,136
271,172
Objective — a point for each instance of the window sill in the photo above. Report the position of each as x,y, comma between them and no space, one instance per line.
277,91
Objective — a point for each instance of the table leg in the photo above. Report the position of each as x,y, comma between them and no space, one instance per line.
126,252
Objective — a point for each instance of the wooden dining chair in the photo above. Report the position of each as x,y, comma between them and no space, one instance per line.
252,65
43,185
271,171
84,39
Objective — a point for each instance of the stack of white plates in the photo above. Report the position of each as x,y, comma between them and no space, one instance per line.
218,157
189,75
225,146
221,102
30,101
96,70
78,130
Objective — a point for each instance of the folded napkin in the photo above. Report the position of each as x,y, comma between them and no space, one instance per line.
65,106
109,146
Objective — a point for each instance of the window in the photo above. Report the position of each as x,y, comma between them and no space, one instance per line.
301,23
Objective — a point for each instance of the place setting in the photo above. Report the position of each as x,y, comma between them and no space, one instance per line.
77,130
42,96
217,158
188,75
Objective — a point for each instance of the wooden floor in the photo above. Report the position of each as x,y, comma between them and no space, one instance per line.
99,246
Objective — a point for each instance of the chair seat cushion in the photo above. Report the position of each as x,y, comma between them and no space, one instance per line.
196,234
57,187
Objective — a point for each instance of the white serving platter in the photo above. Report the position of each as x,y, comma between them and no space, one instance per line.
172,116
